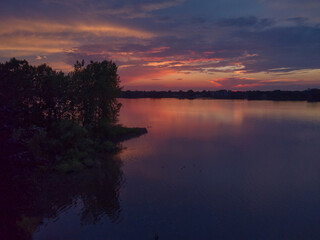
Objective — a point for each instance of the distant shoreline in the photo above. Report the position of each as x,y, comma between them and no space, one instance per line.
310,95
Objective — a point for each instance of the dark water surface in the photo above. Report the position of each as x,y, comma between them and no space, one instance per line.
207,169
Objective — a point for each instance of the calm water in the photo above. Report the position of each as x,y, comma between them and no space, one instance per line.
207,169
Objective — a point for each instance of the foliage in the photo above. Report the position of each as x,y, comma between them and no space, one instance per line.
96,87
31,95
68,146
39,95
64,121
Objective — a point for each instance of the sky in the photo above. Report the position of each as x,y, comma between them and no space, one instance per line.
172,44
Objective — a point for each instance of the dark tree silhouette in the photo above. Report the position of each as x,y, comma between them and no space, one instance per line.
95,89
63,120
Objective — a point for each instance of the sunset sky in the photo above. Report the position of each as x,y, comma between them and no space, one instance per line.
172,44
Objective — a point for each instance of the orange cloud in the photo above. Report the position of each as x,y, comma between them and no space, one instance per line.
138,74
11,26
35,44
216,84
248,85
158,50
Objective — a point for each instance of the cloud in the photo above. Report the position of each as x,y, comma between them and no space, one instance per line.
298,20
96,28
22,37
235,83
276,49
248,21
306,4
120,9
258,84
161,39
40,58
282,48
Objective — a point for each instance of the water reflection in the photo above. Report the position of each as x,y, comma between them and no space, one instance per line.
29,198
226,111
206,170
224,169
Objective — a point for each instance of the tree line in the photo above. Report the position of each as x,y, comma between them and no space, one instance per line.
311,95
39,95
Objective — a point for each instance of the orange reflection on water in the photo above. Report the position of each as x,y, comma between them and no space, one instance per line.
194,131
199,118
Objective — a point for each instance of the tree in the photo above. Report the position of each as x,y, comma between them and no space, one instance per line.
40,96
63,121
51,93
16,93
95,89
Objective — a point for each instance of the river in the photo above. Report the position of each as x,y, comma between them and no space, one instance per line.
206,169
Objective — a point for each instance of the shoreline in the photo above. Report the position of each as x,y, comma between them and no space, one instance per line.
310,95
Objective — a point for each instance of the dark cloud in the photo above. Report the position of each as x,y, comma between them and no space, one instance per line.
286,48
249,21
238,22
298,20
198,20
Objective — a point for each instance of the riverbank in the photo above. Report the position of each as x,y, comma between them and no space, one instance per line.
311,95
65,146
